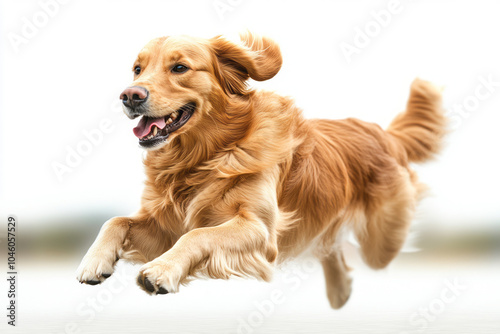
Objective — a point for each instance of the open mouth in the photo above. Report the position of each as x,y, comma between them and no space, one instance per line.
153,131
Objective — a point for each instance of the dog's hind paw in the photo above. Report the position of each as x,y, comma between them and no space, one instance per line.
340,293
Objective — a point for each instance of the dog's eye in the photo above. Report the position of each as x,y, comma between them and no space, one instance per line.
179,68
137,70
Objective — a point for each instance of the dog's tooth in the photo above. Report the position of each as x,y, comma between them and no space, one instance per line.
155,131
169,121
174,115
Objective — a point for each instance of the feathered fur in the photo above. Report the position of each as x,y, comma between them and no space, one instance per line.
248,181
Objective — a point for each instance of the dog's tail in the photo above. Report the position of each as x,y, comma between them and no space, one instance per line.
421,127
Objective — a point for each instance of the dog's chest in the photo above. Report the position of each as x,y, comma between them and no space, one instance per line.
168,203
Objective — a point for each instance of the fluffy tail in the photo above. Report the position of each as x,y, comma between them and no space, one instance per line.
420,129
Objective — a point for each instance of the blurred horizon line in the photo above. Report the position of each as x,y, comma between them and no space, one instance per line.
71,234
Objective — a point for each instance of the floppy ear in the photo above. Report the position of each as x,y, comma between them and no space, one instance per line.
257,57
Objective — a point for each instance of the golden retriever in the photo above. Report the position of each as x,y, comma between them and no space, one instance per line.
238,180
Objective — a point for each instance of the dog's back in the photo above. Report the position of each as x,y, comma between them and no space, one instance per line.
354,171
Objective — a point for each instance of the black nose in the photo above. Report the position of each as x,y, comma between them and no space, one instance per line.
134,96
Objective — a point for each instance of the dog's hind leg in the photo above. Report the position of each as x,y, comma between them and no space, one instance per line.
389,211
337,279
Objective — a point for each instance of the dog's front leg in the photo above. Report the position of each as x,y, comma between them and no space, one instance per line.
241,246
98,263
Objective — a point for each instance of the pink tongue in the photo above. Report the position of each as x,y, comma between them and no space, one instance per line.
145,124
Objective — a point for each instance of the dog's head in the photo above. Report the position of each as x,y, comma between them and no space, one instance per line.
180,81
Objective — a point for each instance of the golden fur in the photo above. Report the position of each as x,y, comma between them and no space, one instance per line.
248,181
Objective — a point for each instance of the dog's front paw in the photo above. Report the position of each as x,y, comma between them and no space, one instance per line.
160,277
95,269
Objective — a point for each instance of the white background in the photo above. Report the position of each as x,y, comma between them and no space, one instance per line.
68,76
